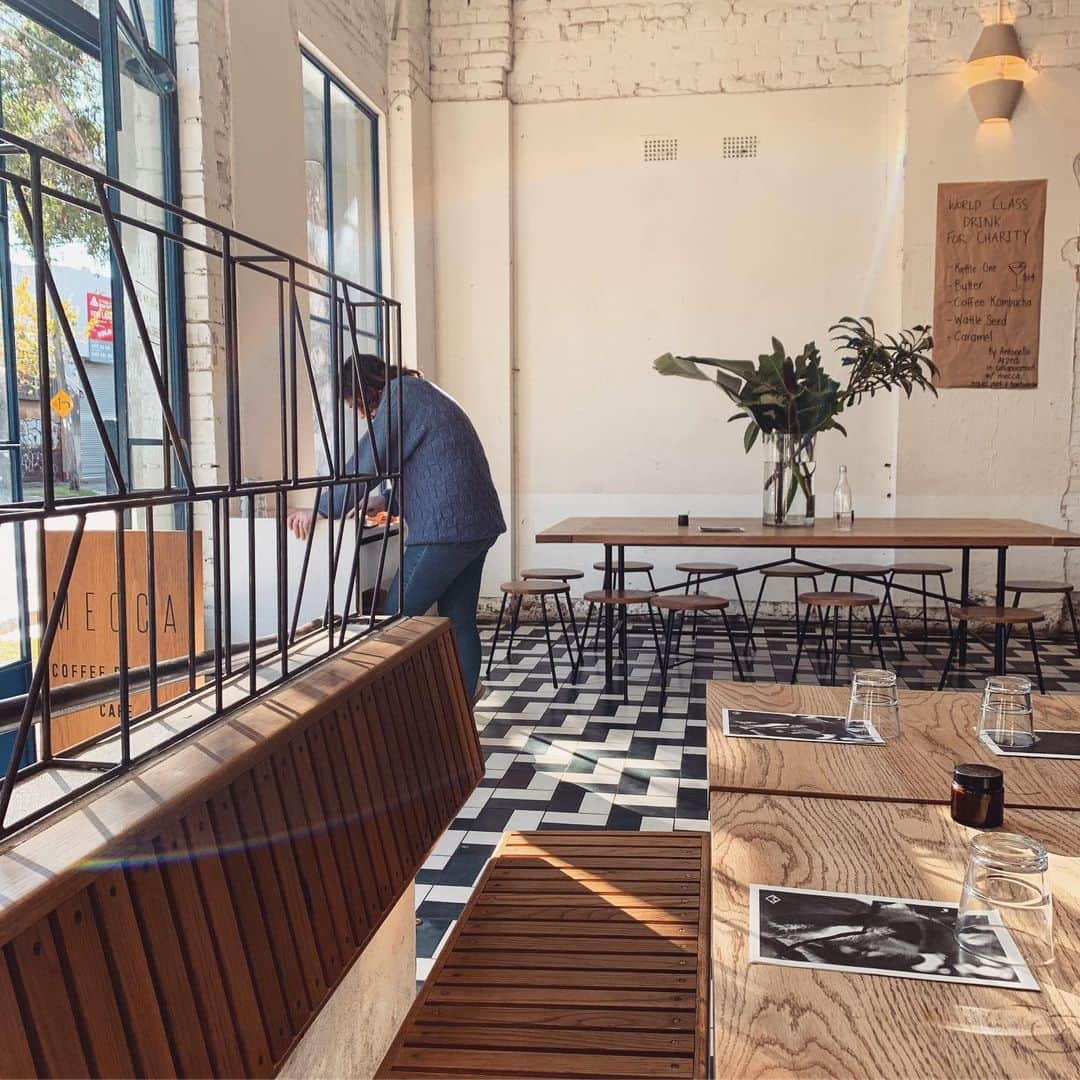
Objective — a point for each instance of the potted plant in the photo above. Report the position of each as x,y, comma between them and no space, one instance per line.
788,401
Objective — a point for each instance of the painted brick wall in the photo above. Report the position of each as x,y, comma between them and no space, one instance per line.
410,51
202,54
471,48
558,50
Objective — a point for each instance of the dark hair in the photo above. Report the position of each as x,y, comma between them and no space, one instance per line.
372,371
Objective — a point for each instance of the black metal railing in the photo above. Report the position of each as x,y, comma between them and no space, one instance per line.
276,407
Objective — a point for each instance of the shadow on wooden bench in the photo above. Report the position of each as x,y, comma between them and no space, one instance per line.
580,954
194,916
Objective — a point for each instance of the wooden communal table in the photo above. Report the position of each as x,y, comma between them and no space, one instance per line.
784,1021
965,535
937,731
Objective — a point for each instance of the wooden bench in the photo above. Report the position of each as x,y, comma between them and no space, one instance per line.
580,954
193,917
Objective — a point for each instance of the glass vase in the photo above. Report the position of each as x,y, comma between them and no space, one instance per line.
788,492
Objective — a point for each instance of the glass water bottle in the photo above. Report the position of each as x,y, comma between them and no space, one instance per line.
843,512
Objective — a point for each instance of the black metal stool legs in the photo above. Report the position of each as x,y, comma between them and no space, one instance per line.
498,627
1072,619
1035,658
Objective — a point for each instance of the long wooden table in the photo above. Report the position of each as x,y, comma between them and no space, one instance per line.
937,731
965,535
786,1021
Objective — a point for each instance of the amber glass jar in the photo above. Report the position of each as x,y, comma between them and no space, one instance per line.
978,796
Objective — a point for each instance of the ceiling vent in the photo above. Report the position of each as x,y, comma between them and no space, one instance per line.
657,148
740,146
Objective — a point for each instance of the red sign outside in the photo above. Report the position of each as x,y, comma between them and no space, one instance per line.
99,324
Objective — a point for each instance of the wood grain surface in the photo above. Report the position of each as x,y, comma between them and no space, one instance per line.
783,1021
937,732
580,954
866,532
193,917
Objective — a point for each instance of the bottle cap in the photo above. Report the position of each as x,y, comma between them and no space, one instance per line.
979,778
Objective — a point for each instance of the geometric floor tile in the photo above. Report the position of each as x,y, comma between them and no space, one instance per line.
576,757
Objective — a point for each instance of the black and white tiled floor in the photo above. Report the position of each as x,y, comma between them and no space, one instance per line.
577,757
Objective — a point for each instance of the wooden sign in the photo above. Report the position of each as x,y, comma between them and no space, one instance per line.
988,283
87,642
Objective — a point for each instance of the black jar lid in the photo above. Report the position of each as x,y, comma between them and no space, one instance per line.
976,777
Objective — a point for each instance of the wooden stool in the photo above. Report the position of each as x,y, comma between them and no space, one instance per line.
876,575
923,571
620,600
834,602
519,590
1059,588
629,567
791,571
561,574
680,606
697,573
580,954
996,616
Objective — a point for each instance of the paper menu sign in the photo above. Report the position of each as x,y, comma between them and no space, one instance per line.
988,268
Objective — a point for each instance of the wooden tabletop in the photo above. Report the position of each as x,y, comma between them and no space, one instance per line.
868,532
781,1021
937,731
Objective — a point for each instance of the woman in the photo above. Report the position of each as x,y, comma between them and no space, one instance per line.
452,509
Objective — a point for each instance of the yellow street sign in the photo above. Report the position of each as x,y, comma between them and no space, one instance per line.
62,403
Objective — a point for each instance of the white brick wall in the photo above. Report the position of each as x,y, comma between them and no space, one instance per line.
471,49
410,51
557,50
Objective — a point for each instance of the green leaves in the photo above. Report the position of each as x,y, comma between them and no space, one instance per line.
796,395
898,362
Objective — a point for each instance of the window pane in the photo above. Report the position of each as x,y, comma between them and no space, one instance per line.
315,163
141,158
52,94
352,170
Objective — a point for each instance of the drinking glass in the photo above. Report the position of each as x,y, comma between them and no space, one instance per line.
1006,887
1006,715
875,704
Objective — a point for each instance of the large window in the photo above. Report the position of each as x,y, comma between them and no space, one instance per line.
341,142
92,80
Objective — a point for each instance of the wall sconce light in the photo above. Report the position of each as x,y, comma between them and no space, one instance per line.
997,69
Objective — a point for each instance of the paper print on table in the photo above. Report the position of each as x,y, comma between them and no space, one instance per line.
988,270
1048,744
799,727
876,935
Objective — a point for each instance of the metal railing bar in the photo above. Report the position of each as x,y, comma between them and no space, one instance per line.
16,181
189,217
76,356
313,385
41,668
102,689
358,383
309,539
37,238
144,335
122,640
16,513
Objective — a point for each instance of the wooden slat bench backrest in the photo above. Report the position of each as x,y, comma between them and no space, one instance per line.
193,917
580,954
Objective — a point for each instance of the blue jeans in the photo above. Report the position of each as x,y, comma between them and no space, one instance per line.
447,575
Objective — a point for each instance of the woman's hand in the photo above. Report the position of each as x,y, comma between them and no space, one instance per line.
300,523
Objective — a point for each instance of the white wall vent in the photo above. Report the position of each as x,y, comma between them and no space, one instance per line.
740,146
660,148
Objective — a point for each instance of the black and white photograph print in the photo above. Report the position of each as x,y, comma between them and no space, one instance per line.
746,724
876,935
1048,744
